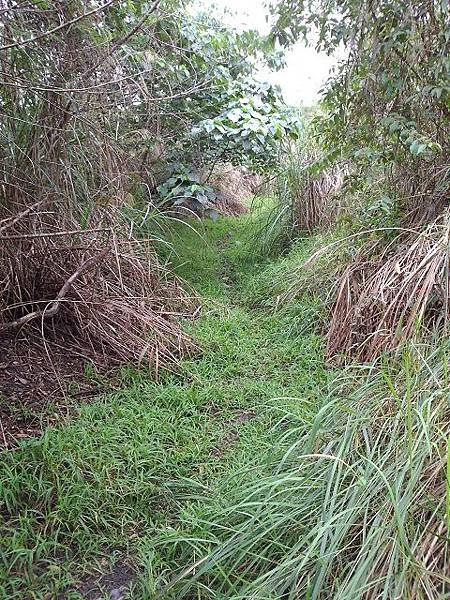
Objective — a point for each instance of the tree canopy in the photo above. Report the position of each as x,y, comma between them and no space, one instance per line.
388,102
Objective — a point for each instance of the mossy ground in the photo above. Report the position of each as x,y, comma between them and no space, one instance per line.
98,491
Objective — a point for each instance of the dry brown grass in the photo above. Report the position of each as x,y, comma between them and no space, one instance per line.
233,185
315,197
383,301
67,262
108,292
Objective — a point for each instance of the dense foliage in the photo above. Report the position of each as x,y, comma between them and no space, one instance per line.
101,108
151,85
272,465
222,114
384,122
387,106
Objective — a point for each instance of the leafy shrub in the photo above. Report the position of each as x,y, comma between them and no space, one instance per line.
387,104
185,188
251,126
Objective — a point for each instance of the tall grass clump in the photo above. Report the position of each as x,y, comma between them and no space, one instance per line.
384,300
307,191
351,505
69,266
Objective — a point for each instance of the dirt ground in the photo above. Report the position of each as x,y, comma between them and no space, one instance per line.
41,383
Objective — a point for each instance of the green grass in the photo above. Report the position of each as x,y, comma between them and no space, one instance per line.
256,472
349,504
126,470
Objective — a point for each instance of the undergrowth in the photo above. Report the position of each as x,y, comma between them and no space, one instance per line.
257,472
351,503
100,489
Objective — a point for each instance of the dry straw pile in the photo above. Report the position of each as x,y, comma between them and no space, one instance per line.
233,185
105,293
68,266
381,302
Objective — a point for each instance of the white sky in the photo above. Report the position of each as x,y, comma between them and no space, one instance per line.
306,70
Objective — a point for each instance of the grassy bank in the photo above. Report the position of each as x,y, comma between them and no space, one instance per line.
350,503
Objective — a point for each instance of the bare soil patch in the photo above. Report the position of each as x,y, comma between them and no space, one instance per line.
114,585
232,435
40,385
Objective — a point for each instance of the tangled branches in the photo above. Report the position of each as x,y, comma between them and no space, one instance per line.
66,259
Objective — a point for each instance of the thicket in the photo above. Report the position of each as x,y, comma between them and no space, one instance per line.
354,500
109,113
378,156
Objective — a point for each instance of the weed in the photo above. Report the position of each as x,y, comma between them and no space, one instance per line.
123,473
351,504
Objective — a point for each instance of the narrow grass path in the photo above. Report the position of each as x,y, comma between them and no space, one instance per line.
83,505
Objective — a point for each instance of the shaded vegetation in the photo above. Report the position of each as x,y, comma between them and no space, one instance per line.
154,94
